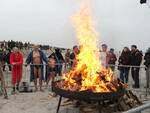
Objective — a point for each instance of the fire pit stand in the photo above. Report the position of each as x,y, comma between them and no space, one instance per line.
59,103
87,96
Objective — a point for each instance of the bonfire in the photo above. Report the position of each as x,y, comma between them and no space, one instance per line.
88,73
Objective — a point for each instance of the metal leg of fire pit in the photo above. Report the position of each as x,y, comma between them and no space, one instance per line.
60,98
99,107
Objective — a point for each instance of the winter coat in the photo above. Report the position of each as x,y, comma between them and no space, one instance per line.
147,59
29,60
136,58
16,58
125,58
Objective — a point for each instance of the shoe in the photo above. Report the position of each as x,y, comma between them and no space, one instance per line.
52,94
13,92
146,87
17,88
134,86
5,97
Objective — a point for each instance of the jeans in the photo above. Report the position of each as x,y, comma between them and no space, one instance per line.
135,76
124,73
59,68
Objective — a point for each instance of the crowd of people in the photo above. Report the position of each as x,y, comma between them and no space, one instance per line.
11,44
129,59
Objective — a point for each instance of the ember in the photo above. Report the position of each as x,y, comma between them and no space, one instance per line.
88,73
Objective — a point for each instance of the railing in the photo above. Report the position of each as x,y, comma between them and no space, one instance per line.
66,66
140,109
26,73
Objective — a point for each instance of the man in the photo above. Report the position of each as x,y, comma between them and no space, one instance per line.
36,58
136,59
16,60
104,55
3,88
59,60
112,59
2,55
73,55
7,59
147,65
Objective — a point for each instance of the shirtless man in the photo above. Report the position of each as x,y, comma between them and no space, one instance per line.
36,58
37,67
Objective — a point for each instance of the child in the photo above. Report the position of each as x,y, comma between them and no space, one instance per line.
51,69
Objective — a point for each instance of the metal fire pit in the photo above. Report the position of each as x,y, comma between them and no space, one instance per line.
86,95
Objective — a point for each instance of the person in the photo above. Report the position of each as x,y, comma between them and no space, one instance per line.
7,59
136,59
67,58
16,60
112,59
59,61
73,56
104,56
36,58
2,55
3,88
51,69
124,59
147,65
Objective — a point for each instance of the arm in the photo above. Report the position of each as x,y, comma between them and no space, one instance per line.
20,60
44,58
138,58
28,60
115,58
11,58
62,58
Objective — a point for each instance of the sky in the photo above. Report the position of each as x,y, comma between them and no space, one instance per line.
119,23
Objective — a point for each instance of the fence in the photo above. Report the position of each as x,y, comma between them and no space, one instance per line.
141,109
143,81
66,67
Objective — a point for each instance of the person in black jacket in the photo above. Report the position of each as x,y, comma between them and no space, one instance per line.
124,59
147,65
6,59
136,59
59,60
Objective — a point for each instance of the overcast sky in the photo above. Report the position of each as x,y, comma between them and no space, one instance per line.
119,22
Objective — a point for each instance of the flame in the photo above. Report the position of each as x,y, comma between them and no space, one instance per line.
88,74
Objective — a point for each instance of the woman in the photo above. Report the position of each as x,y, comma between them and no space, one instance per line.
36,58
16,60
124,59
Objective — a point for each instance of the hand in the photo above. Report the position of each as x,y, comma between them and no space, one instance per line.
14,63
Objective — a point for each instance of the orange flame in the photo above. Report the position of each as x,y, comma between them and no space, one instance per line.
88,72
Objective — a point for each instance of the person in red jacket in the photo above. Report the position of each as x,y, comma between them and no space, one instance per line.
16,60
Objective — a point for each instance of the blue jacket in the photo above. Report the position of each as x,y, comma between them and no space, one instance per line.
29,60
